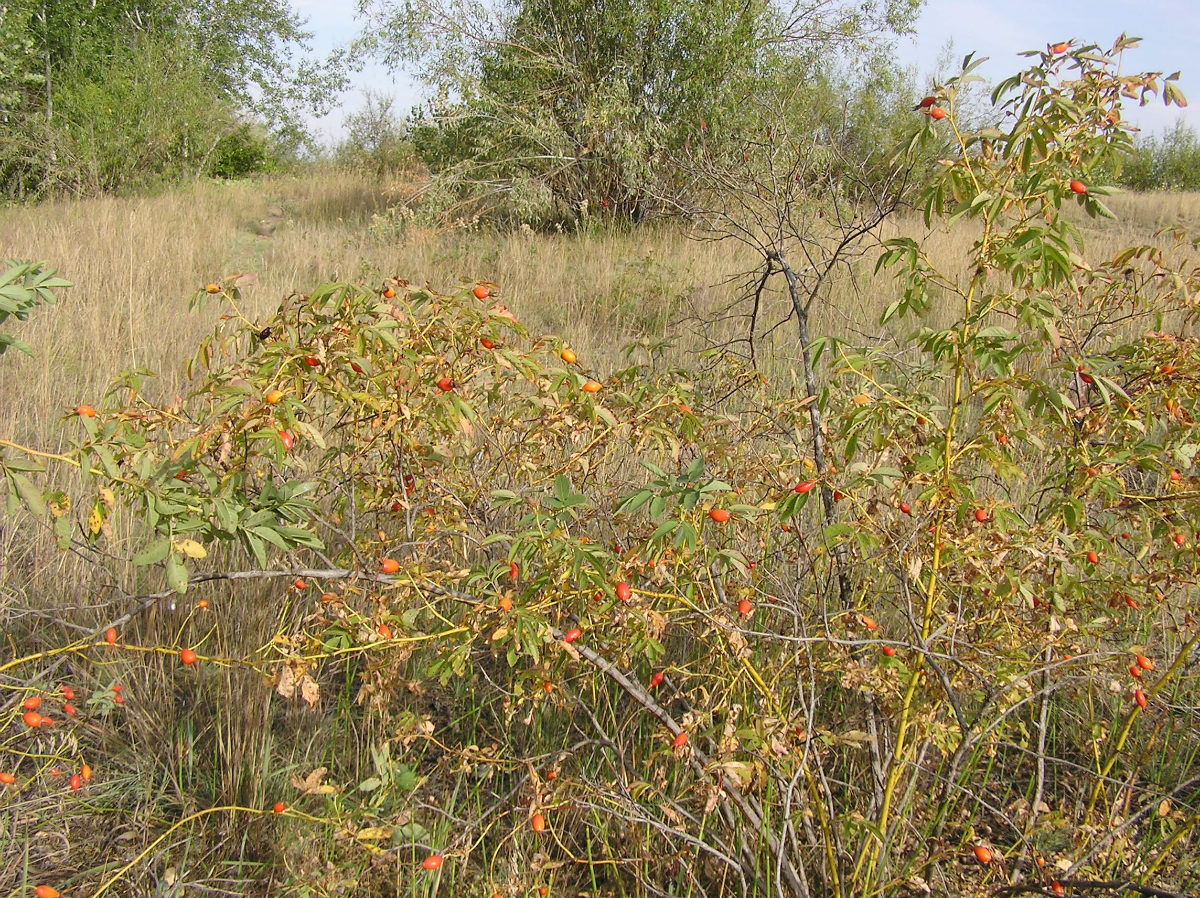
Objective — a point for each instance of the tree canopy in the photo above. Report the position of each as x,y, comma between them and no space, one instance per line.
561,106
98,93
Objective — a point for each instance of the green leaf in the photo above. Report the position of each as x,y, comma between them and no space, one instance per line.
667,526
30,494
257,548
562,488
271,535
62,531
31,465
177,575
634,501
153,553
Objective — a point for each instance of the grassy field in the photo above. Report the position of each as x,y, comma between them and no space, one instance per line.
192,754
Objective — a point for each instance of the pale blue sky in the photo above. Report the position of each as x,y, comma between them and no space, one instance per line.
999,29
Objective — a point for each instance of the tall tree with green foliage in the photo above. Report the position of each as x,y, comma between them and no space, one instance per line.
561,107
98,94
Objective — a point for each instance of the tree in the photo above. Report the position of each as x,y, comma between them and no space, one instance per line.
105,93
376,138
560,105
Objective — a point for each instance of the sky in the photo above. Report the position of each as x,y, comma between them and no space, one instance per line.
998,29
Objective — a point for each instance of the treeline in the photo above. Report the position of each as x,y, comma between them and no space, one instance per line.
542,111
1169,162
99,95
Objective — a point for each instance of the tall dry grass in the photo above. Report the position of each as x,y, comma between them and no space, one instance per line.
137,262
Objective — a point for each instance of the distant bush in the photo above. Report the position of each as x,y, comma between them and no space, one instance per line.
100,96
243,152
376,138
148,115
1171,162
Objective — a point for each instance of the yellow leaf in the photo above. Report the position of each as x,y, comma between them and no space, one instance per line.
862,399
107,497
371,833
95,522
190,548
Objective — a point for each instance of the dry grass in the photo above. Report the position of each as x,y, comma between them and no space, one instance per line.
138,262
